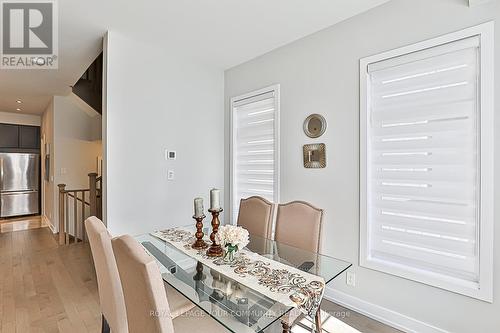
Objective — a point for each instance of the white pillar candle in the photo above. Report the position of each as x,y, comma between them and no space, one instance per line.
198,207
214,199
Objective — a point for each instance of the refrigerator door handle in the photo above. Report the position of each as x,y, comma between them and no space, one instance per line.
1,174
18,192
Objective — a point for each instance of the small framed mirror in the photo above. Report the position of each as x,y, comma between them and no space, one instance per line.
315,125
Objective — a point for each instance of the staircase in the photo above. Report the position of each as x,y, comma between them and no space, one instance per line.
89,86
74,209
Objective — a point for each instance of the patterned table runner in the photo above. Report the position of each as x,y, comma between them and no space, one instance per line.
280,282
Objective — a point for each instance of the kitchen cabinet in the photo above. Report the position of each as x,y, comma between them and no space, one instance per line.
9,136
19,137
29,137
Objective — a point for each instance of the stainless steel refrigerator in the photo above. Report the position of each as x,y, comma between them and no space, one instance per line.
19,184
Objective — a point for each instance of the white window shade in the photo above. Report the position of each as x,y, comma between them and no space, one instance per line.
255,147
422,151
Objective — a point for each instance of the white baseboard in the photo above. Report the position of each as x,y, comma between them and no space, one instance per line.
49,223
384,315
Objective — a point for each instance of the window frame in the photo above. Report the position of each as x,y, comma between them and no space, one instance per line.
483,290
275,88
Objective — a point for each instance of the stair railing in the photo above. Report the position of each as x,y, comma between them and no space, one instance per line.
74,209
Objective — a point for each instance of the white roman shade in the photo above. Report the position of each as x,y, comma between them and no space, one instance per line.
426,169
255,164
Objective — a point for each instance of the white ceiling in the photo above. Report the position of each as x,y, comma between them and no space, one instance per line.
221,33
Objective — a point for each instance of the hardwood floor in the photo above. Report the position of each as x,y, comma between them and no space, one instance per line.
355,319
47,288
21,223
44,287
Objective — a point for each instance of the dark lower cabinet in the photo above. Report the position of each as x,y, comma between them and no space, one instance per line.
19,137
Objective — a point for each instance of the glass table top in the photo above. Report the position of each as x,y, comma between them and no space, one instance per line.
237,307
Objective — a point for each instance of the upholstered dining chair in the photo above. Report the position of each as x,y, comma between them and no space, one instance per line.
146,303
256,215
114,315
298,224
108,279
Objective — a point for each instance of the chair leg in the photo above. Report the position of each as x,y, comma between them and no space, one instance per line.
286,327
104,327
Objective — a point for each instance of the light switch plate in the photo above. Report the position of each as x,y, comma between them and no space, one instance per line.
170,174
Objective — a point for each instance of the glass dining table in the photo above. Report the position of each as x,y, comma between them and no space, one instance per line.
239,308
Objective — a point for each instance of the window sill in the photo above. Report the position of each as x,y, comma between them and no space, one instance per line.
455,285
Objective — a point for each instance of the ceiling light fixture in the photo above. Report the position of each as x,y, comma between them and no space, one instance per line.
18,101
18,109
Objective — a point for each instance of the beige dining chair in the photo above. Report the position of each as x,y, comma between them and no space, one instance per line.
108,280
146,303
256,215
298,224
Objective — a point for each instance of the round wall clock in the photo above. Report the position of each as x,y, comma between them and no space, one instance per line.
314,126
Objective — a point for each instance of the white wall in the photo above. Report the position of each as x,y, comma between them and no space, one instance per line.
74,150
320,74
20,119
48,186
156,101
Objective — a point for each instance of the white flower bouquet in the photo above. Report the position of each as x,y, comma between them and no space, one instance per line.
233,239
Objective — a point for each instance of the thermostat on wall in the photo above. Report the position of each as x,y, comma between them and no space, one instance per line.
172,155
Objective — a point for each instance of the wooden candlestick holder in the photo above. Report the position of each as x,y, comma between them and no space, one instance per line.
215,250
200,243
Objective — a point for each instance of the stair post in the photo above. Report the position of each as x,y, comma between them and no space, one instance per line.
93,193
62,231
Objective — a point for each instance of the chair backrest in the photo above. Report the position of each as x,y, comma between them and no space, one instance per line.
256,215
108,279
143,289
298,224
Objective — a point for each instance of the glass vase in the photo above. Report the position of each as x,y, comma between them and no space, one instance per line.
230,253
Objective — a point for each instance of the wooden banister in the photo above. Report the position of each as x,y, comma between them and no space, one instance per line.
78,196
79,199
78,190
62,229
93,193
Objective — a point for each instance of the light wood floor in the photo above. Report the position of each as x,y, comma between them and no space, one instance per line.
355,319
21,223
47,288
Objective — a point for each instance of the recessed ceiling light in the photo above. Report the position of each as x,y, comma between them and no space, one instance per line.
18,109
18,101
